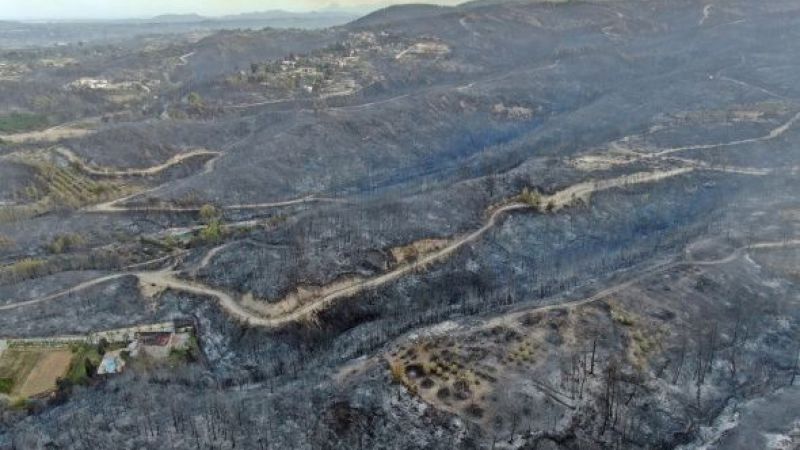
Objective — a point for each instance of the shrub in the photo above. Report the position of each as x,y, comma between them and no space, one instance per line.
26,268
212,232
65,242
622,318
195,99
185,355
84,363
208,213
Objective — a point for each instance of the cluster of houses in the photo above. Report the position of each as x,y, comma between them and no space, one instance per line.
101,84
324,75
340,70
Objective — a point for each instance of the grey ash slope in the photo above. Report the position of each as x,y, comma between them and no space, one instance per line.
582,85
684,291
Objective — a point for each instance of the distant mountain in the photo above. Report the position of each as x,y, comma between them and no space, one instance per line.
280,14
400,13
177,18
45,33
261,16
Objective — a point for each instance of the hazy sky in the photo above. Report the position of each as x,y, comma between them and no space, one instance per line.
70,9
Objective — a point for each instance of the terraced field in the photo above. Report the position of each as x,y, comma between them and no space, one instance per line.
31,370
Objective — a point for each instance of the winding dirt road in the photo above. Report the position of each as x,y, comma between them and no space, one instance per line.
323,298
112,206
153,170
602,294
168,279
344,290
775,133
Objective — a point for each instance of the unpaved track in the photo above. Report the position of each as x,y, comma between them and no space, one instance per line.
521,310
667,154
64,131
298,201
560,199
775,133
264,103
111,207
326,297
209,256
777,244
153,170
169,280
582,190
90,283
602,294
702,165
370,104
751,86
185,58
74,289
508,75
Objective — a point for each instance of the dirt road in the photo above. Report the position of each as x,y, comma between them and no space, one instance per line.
64,131
602,294
566,197
775,133
349,289
168,279
114,207
74,289
559,199
324,297
153,170
226,301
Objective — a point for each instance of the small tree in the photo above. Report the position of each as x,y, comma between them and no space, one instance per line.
208,213
212,232
195,99
532,198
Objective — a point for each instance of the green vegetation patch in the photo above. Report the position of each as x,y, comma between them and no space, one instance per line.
186,355
15,365
212,232
25,269
22,122
84,364
6,385
65,242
